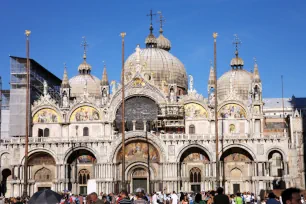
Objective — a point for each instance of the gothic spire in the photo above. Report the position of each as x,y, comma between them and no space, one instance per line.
65,81
256,73
104,81
211,79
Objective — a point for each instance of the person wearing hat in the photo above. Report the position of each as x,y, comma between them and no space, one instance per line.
140,197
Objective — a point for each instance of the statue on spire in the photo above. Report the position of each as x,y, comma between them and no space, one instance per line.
138,50
45,88
190,83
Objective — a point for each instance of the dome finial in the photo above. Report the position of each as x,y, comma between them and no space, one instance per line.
151,40
161,21
151,20
162,41
84,44
84,68
237,62
236,42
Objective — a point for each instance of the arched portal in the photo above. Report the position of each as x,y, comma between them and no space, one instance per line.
5,188
236,170
276,167
80,169
42,170
139,155
194,169
137,109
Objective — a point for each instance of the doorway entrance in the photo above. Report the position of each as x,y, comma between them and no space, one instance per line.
196,188
43,188
139,179
140,183
236,188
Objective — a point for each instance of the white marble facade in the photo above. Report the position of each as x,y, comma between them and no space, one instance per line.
75,140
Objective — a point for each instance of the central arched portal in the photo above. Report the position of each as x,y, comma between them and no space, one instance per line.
195,170
236,170
139,155
137,110
80,169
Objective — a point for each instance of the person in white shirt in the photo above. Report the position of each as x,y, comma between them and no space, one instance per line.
154,198
174,198
247,198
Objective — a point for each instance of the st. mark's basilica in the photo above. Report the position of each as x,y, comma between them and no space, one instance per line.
169,129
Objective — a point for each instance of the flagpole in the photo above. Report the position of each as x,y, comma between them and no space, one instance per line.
216,112
25,187
123,34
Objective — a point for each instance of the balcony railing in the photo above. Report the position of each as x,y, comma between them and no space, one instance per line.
166,136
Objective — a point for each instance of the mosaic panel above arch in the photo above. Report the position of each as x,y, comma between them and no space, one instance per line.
84,114
194,111
196,157
138,151
232,111
41,158
46,115
236,155
86,159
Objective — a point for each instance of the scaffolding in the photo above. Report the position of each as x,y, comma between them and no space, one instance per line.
18,79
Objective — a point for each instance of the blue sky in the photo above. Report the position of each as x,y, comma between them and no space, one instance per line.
273,31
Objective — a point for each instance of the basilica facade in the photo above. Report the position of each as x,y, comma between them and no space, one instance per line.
169,136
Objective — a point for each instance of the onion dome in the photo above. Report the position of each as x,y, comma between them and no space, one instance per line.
163,42
65,81
160,64
104,81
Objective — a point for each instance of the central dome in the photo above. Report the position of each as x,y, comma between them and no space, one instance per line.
160,65
235,81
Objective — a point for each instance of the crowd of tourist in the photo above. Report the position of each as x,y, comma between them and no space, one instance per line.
288,196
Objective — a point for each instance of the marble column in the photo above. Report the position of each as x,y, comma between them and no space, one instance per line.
145,125
134,125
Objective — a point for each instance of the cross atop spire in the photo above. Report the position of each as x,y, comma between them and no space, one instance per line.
84,44
151,20
236,42
162,20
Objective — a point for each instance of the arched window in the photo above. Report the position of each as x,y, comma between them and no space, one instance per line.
85,131
46,132
191,177
84,176
191,129
40,132
195,175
